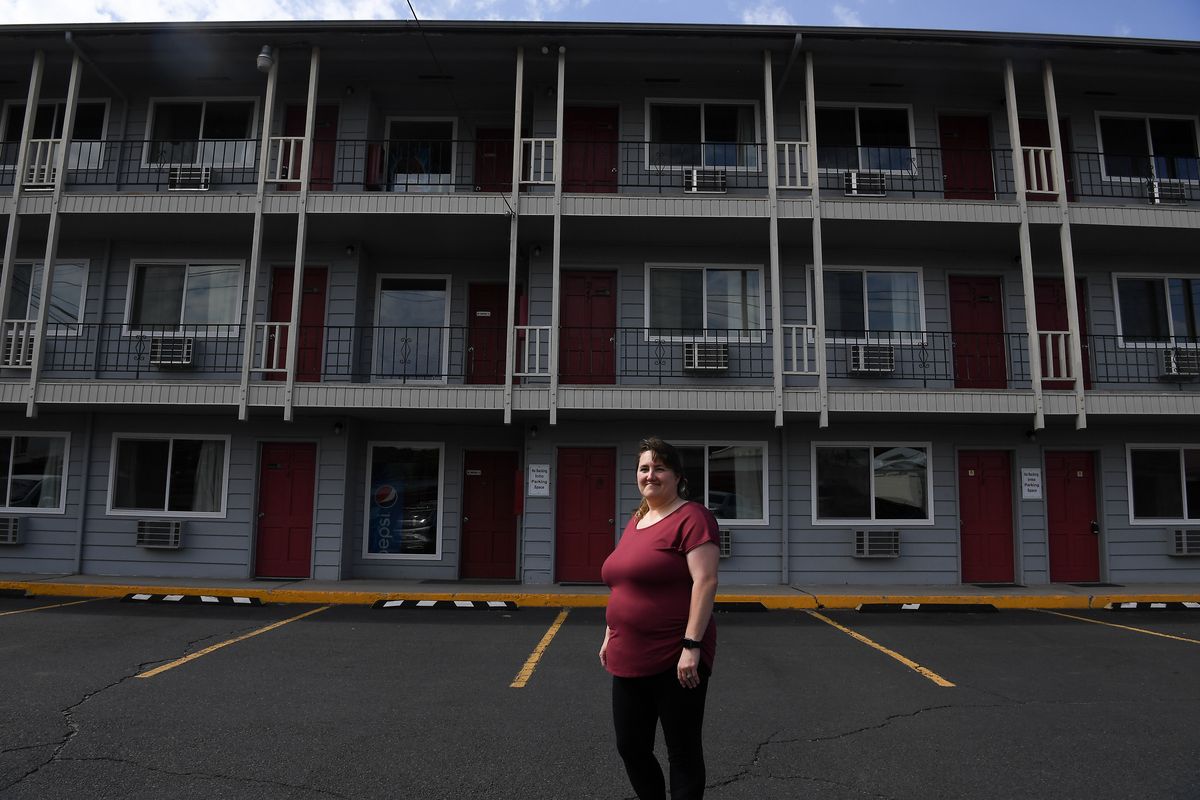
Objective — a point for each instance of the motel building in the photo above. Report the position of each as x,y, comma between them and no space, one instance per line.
397,301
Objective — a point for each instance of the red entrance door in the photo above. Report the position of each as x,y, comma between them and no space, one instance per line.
487,333
589,314
1036,133
285,510
324,145
966,158
489,530
985,501
1071,514
977,319
590,150
1050,298
312,321
584,532
494,159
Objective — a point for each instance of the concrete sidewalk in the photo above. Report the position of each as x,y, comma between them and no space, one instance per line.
796,596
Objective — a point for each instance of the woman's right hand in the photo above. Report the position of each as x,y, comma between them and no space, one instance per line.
604,648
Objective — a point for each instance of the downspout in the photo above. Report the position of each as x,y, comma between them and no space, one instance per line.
102,308
556,261
773,243
792,58
785,555
818,293
81,524
124,126
513,226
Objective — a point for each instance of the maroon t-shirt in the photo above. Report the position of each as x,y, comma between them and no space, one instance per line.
652,592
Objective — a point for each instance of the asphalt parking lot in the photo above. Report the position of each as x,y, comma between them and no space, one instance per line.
353,702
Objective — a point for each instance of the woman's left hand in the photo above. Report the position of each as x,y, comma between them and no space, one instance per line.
688,670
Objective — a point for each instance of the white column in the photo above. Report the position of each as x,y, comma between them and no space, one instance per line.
556,268
773,207
817,301
513,223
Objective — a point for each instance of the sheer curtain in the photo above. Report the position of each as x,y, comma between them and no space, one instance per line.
207,483
52,474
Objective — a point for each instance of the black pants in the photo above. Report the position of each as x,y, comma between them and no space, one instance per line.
639,704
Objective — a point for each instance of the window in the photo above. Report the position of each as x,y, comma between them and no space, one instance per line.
410,327
421,152
1158,309
404,499
68,288
872,301
881,483
703,134
33,471
1149,147
861,137
167,297
168,475
88,130
1164,483
731,479
212,132
695,301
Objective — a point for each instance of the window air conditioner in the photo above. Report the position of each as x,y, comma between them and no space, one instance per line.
726,543
872,359
704,181
10,530
876,544
1187,542
705,356
160,534
189,179
1166,192
18,349
1178,362
865,184
171,351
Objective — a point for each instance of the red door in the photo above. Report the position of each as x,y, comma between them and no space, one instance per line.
312,321
1050,298
487,332
589,321
584,521
590,149
285,510
1036,133
324,145
1071,516
985,500
977,320
966,158
494,159
489,530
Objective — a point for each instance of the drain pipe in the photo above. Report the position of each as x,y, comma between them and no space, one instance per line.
124,126
81,525
785,575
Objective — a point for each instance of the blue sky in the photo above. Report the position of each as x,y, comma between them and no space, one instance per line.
1156,19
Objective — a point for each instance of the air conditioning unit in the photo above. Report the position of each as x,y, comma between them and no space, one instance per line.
1187,542
160,534
705,356
18,349
726,543
1178,362
865,184
1166,192
189,179
872,359
704,181
171,351
10,530
876,544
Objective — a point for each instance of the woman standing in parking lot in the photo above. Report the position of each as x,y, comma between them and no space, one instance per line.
661,638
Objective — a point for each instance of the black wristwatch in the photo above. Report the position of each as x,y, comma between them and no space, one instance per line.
690,644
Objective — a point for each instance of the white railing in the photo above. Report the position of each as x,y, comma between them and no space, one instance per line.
799,349
39,167
533,351
793,166
285,165
272,357
537,161
20,336
1056,355
1039,169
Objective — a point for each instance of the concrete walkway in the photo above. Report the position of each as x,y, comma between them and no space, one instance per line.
796,596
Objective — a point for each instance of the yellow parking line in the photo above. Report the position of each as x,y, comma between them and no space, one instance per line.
181,661
43,608
924,671
1122,627
531,663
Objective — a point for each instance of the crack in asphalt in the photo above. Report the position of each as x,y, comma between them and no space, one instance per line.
27,747
210,775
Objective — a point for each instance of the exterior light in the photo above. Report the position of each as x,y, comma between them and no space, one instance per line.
266,59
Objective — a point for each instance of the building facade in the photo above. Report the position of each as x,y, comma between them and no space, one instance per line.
398,301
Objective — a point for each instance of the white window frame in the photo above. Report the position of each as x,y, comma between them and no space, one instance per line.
701,103
126,512
858,145
439,554
69,329
129,327
759,334
61,508
708,443
814,480
60,104
375,344
869,339
453,176
1145,117
1158,521
1162,277
248,160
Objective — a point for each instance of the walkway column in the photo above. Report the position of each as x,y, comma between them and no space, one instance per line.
513,220
773,207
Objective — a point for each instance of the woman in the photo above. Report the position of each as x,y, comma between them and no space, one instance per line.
661,638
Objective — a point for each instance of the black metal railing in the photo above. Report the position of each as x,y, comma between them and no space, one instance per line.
1165,180
932,359
130,350
655,355
403,354
142,164
1149,363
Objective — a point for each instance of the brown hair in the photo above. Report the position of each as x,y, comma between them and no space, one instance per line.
666,453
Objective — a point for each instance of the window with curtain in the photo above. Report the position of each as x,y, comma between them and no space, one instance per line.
695,301
171,296
421,151
863,137
171,475
1159,309
703,135
1150,147
858,302
68,285
32,471
1164,484
863,483
730,479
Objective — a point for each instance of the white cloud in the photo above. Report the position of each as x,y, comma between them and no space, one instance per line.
846,16
1122,29
767,13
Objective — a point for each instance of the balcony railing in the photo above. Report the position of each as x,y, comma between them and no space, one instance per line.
127,350
930,359
1148,363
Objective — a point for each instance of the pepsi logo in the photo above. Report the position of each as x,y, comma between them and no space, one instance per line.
386,496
